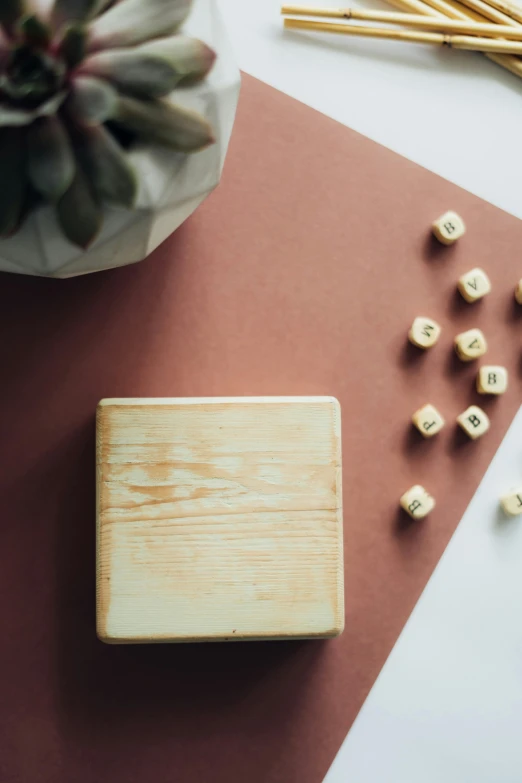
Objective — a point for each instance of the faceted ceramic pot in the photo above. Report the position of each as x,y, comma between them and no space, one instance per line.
172,185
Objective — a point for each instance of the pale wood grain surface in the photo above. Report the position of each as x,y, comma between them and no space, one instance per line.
219,519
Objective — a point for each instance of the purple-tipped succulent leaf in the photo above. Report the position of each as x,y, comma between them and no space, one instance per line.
154,69
163,123
131,22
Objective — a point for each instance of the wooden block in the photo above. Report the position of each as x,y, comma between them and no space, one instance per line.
424,332
428,421
474,285
470,345
512,502
417,502
474,422
492,380
219,519
518,292
448,228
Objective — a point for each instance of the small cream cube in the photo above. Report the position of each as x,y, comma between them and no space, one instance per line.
448,228
417,502
518,292
470,345
424,332
428,421
492,380
474,422
474,285
512,503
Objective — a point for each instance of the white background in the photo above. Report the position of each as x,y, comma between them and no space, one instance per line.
456,113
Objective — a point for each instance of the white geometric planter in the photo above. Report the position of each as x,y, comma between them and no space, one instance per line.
172,185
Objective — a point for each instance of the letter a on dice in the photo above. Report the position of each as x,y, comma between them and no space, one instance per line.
470,345
474,285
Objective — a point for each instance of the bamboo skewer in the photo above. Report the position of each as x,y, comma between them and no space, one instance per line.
468,42
507,61
420,7
488,11
410,20
507,8
445,8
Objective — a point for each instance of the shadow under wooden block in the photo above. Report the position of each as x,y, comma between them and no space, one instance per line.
219,519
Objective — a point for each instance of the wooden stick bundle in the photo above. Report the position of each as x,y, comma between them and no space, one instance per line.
469,42
431,12
508,8
411,20
507,61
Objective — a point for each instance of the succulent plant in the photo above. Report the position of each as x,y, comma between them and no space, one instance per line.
80,82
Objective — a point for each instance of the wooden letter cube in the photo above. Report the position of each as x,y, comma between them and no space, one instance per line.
518,292
428,421
470,345
424,332
448,228
512,503
492,380
417,502
219,519
474,422
474,285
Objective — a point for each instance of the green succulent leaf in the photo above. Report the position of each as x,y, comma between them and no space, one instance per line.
101,5
162,123
35,32
91,101
131,22
14,117
30,202
17,117
152,70
79,212
12,177
73,46
110,172
50,159
72,11
10,12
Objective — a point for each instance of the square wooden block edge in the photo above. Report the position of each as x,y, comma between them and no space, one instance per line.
102,595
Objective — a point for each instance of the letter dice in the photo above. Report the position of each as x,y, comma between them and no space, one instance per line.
492,380
417,502
448,228
470,345
424,332
474,285
474,422
428,421
512,502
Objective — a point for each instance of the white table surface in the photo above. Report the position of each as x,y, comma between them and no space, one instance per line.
456,113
